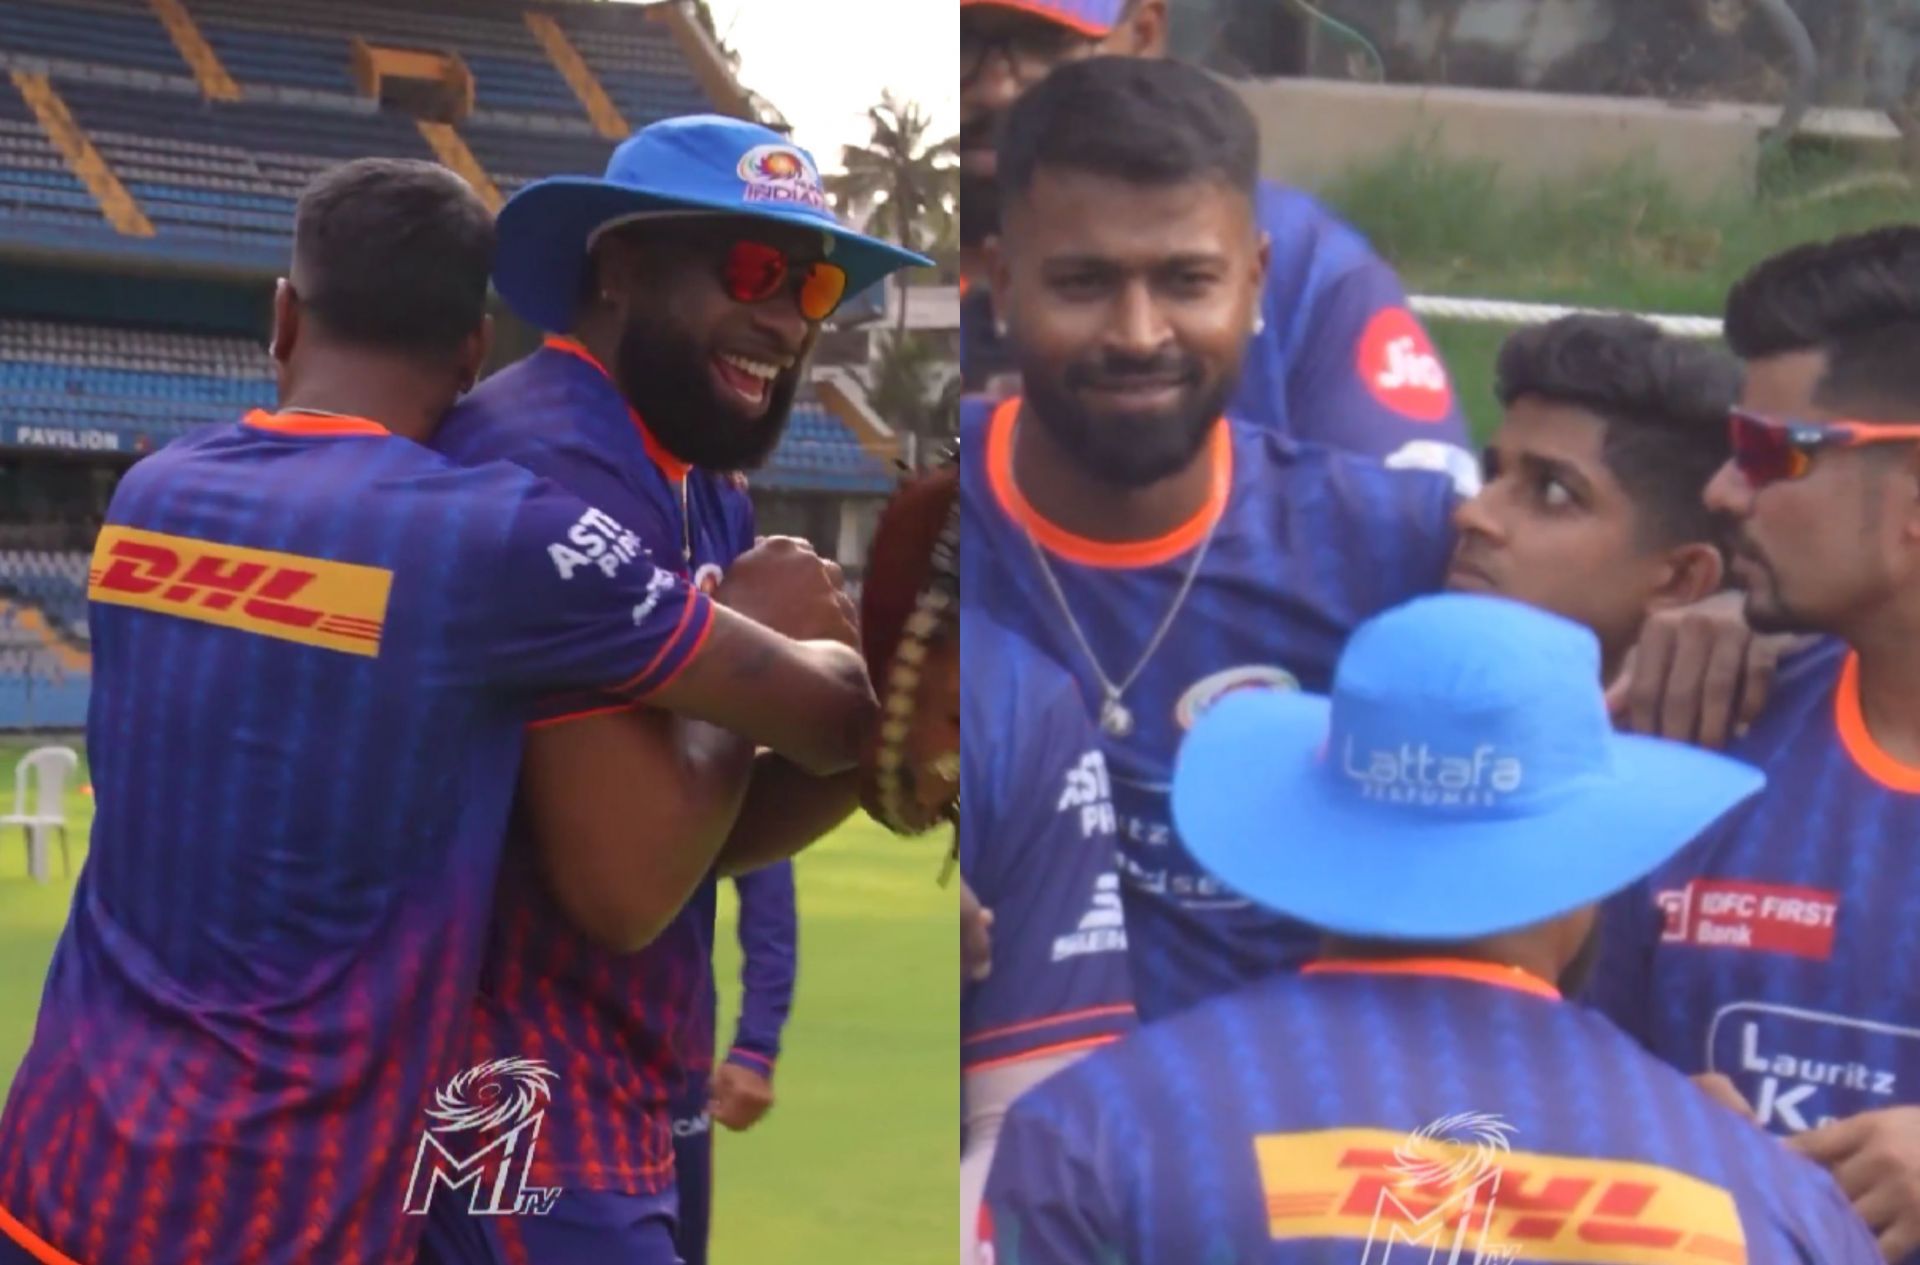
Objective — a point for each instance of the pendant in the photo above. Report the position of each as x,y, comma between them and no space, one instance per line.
1115,720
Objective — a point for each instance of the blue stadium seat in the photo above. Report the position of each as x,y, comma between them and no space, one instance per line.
637,62
114,34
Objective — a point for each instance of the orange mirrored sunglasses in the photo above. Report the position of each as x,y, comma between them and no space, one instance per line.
1768,449
754,272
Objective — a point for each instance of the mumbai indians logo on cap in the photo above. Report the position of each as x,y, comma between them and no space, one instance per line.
781,173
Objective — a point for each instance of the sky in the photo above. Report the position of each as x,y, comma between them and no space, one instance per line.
801,56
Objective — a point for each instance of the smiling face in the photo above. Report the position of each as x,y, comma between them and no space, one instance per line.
714,377
1129,308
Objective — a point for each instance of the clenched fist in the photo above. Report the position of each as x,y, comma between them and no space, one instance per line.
782,583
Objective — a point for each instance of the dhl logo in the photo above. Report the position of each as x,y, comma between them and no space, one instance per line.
1356,1184
336,605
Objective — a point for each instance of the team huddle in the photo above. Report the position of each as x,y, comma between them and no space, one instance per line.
1371,850
394,942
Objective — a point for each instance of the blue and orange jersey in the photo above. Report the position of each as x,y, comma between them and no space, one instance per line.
768,928
1781,948
622,1031
1037,847
1341,361
1301,544
1455,1110
315,648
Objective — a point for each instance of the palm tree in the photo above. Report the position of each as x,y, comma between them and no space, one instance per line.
905,387
899,169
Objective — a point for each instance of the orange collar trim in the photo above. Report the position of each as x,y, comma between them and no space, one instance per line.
295,422
670,465
1865,752
1103,553
1441,968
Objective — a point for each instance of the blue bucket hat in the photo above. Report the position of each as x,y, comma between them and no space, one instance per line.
1463,779
699,164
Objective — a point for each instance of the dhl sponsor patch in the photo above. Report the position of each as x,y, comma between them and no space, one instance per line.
335,605
1358,1184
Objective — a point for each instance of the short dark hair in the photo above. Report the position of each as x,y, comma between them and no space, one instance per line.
1144,120
394,254
1662,399
1803,298
1874,373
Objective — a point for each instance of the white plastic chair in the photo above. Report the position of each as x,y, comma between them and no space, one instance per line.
40,804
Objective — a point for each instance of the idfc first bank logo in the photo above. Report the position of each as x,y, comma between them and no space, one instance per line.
504,1100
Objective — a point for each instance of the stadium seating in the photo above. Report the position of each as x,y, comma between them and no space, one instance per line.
217,180
54,582
35,185
121,33
44,675
819,454
636,62
227,170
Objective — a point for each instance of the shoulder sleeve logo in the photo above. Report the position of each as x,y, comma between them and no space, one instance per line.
315,601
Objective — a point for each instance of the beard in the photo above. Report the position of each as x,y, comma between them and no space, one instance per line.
1127,449
666,376
1765,610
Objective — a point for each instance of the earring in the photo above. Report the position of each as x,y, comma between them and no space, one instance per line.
1259,324
1000,328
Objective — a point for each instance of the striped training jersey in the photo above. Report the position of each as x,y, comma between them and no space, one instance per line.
315,648
1306,543
767,925
1340,360
1037,848
623,1031
1782,948
1449,1110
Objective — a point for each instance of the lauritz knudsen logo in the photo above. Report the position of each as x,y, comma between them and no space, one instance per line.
1463,1154
1417,773
781,173
504,1100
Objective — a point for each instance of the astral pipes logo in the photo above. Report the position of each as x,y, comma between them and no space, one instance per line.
506,1097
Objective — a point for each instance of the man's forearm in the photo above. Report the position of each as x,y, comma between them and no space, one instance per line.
630,812
785,809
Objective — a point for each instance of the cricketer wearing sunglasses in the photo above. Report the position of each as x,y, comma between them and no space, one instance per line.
1781,951
682,294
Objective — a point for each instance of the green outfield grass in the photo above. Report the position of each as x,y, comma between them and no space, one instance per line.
856,1162
1621,238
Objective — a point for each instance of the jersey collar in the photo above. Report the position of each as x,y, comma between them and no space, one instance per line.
670,465
1510,977
296,422
1869,755
1103,553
